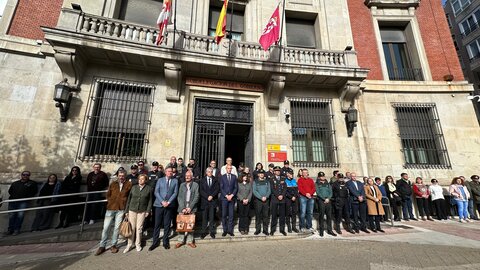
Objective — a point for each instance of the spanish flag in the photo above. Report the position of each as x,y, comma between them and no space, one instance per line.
222,23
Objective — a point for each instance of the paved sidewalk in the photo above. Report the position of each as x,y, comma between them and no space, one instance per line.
422,245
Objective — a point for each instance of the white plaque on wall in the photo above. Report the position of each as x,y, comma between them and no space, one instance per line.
22,93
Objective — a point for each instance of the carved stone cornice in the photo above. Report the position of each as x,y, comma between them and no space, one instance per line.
72,64
274,90
392,3
348,93
173,80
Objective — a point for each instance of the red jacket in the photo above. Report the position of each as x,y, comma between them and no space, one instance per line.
306,185
420,190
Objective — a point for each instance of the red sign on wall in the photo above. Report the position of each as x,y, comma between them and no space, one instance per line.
277,156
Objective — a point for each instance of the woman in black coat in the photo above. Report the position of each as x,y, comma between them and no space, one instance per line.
71,184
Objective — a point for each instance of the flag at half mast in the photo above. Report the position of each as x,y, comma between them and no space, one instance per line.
222,23
162,21
271,33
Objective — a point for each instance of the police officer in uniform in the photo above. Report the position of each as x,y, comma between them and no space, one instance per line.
286,168
341,204
324,199
270,173
291,202
277,201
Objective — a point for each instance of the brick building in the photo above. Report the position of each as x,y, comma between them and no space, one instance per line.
368,86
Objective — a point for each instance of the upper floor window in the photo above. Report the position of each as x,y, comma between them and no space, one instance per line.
300,32
119,117
313,133
473,49
235,19
400,58
141,11
469,24
459,5
423,144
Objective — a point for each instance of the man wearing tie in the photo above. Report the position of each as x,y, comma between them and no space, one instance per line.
228,188
165,199
209,189
358,204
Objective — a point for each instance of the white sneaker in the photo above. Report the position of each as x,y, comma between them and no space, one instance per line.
91,222
461,221
127,249
139,249
312,230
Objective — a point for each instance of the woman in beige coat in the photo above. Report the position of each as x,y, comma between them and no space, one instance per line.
374,205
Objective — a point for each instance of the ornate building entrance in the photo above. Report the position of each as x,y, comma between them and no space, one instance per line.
222,129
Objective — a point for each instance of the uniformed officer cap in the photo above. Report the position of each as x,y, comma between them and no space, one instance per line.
321,174
134,166
154,163
271,165
286,162
277,168
340,175
261,172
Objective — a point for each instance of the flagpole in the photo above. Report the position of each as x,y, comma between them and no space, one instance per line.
231,26
175,22
281,34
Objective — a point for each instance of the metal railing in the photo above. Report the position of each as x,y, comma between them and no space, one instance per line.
405,74
56,205
104,27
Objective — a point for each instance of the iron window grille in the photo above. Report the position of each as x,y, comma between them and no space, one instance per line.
117,121
423,144
313,132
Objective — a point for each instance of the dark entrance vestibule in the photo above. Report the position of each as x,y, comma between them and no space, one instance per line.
223,129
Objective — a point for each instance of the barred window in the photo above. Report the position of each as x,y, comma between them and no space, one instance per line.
423,144
118,117
313,133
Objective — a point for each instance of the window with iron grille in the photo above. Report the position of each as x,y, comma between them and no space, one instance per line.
423,144
313,133
117,123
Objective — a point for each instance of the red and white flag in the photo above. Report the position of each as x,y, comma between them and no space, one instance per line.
162,21
271,33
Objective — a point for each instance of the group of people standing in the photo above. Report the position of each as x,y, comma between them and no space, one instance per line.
276,195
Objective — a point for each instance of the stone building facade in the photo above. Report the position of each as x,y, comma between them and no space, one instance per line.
367,86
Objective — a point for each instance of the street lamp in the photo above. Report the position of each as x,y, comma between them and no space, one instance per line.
63,96
351,119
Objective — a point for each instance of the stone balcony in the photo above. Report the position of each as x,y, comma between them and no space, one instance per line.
79,38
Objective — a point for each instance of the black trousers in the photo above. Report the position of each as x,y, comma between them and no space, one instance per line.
342,210
440,208
374,222
359,211
291,212
423,207
324,209
278,212
394,204
163,216
243,210
261,215
208,218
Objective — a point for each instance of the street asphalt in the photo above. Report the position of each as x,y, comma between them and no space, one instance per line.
408,245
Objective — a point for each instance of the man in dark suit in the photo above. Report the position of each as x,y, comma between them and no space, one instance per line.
166,192
358,204
216,172
228,189
209,189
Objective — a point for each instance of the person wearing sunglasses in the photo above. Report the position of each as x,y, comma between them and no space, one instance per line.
20,189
